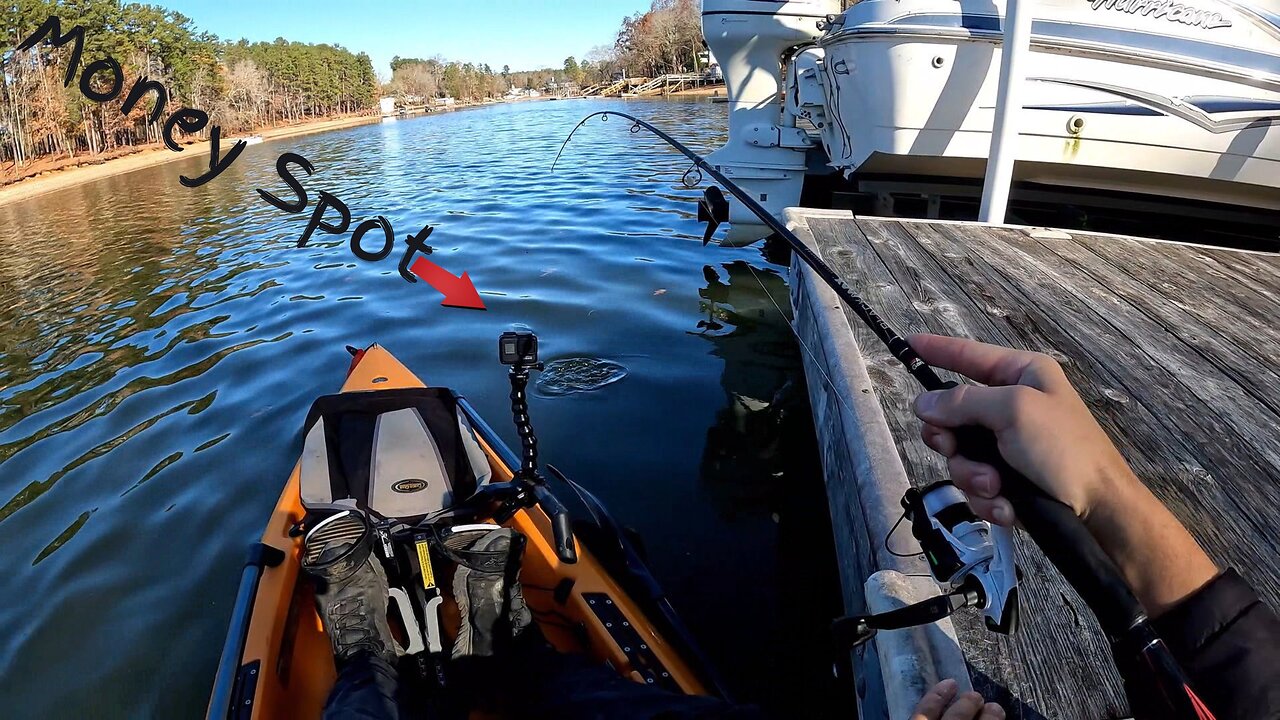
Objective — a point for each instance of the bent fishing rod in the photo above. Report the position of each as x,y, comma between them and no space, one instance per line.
1053,525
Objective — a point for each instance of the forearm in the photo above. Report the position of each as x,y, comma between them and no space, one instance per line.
1158,557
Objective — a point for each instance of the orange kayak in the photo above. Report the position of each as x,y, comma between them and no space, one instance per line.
277,661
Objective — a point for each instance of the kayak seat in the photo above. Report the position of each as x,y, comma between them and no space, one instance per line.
401,453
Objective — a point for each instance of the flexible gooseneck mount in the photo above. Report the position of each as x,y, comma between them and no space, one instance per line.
1054,526
521,355
519,377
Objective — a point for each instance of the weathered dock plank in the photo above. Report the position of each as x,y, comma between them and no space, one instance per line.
1175,349
1247,317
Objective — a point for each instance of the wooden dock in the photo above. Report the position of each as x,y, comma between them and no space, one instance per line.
1176,349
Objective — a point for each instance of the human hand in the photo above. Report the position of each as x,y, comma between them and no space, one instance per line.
941,703
1044,430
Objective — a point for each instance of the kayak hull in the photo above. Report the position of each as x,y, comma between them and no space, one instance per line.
286,668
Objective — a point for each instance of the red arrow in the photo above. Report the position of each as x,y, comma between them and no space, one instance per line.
458,291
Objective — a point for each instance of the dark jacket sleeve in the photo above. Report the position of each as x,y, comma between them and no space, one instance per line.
1228,643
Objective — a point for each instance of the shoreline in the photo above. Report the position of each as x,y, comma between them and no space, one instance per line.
90,170
704,91
54,180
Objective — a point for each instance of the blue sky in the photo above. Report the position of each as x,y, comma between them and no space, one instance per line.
524,34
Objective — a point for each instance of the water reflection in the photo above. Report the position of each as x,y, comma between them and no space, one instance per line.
761,456
745,323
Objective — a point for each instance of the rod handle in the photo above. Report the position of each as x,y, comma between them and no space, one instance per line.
1060,534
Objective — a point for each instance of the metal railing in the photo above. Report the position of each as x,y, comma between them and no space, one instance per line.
1004,129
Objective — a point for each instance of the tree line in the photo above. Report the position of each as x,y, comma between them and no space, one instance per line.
468,82
667,38
241,86
437,77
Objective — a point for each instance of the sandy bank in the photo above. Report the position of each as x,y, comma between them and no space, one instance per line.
156,155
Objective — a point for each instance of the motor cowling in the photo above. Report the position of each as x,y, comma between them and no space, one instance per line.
765,153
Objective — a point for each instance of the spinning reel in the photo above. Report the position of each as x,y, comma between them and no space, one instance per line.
970,558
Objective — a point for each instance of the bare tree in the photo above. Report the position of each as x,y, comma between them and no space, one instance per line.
667,38
248,94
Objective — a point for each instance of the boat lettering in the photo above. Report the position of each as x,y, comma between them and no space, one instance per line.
1167,9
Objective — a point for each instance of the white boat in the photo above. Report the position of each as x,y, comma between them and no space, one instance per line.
1168,107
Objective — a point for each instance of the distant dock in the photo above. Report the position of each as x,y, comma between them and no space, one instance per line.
1175,348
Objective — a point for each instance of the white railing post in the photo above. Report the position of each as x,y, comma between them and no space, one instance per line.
1004,131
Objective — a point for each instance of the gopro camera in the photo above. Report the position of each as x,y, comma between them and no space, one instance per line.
518,348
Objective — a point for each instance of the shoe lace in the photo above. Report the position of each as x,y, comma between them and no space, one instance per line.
352,628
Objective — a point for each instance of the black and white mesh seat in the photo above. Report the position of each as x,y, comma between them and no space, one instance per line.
400,453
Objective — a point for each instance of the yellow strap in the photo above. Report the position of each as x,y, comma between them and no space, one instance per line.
424,559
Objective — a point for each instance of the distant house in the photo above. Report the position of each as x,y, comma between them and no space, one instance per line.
443,101
387,105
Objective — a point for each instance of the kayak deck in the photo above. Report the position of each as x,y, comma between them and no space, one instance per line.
1174,347
287,663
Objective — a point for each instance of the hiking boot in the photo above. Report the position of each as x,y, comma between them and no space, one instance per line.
486,587
351,586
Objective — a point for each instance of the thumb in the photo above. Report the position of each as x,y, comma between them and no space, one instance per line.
991,407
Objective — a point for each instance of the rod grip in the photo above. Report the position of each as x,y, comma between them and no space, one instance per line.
1061,536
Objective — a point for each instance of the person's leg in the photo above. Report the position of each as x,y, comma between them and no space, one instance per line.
486,587
572,687
365,690
502,661
351,598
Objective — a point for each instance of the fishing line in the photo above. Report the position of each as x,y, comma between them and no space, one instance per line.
696,167
890,550
691,178
835,392
897,345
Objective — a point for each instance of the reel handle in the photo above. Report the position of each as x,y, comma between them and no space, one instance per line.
1061,535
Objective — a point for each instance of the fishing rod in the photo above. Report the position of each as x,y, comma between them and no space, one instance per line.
895,342
1060,534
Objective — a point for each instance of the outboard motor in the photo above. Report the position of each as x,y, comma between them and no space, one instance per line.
765,153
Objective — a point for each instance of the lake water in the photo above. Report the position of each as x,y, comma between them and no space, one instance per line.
161,345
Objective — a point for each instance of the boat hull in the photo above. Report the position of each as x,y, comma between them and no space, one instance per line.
1169,109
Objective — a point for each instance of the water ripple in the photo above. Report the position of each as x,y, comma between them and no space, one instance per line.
574,375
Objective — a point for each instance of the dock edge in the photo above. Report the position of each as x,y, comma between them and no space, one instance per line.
865,480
